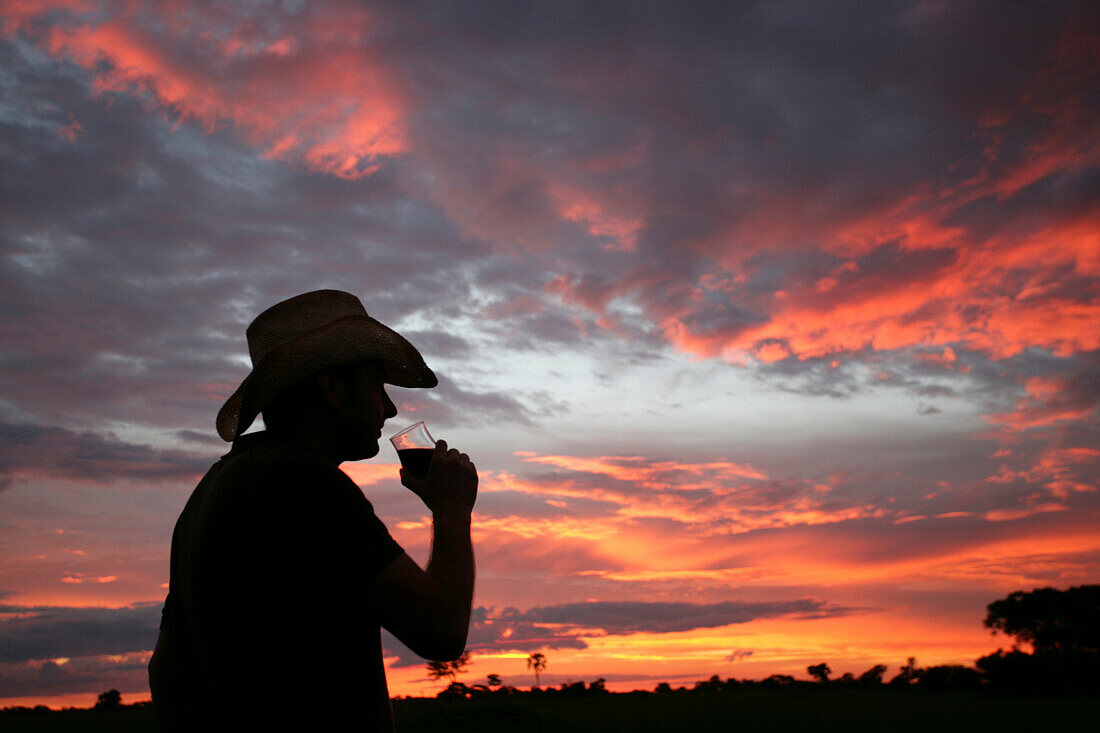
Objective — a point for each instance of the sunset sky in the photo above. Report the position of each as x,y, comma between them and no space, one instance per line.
772,327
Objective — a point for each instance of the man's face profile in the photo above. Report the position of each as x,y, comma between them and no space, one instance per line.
362,406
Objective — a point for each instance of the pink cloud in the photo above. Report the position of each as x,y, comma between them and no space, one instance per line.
317,95
1049,401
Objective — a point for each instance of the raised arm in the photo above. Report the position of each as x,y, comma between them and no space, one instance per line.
429,611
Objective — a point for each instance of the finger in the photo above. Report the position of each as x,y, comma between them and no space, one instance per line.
409,480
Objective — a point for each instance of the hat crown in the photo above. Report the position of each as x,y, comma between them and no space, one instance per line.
286,321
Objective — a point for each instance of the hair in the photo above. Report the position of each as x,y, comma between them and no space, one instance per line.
290,406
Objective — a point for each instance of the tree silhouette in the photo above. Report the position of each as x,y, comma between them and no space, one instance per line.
537,662
493,680
453,668
820,671
873,676
950,677
1063,629
1050,620
909,674
109,700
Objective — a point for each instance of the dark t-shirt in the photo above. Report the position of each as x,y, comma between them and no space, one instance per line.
269,603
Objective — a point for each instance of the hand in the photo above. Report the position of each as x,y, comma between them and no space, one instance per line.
451,484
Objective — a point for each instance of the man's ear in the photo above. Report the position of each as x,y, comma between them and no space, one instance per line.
332,389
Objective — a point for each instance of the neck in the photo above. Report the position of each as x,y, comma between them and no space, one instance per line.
318,435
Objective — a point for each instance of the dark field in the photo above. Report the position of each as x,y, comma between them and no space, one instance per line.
748,710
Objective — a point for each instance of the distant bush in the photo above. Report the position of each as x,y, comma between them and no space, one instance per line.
873,676
949,677
778,680
109,700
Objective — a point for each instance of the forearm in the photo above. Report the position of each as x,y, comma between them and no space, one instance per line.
452,566
429,609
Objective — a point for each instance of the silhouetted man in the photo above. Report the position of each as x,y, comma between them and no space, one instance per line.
281,573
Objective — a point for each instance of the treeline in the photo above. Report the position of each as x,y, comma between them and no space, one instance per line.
910,676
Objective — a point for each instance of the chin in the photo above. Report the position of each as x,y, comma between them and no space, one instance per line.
368,451
361,452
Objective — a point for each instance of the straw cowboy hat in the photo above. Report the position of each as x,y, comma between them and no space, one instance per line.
307,333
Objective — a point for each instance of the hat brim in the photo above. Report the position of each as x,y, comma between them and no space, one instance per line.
344,341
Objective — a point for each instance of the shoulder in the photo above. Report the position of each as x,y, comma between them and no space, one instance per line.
302,471
272,456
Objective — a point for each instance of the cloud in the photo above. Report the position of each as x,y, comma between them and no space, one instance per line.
126,672
719,494
452,404
1056,398
889,264
632,617
688,226
315,93
1062,471
566,626
36,633
87,456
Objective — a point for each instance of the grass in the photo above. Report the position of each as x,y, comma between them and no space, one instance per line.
742,710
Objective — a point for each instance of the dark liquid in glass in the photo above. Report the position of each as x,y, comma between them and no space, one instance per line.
416,460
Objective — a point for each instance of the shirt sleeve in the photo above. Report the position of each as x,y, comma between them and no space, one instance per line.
330,541
366,535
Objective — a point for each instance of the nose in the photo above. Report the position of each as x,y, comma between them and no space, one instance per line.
388,408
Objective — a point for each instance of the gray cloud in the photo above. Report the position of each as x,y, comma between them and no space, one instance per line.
55,451
31,633
83,675
631,617
566,625
452,404
693,120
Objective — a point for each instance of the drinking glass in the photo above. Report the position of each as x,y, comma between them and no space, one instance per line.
415,446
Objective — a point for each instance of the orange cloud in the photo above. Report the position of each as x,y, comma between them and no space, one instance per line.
319,95
956,279
599,218
712,497
1049,400
1062,471
971,299
648,473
